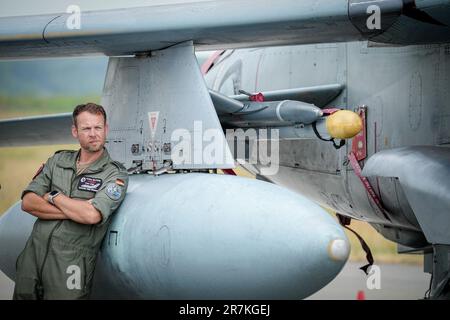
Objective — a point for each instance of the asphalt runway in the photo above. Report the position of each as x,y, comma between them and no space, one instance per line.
6,287
397,282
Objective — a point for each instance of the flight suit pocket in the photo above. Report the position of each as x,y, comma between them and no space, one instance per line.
25,289
27,273
62,179
68,273
89,262
26,278
75,233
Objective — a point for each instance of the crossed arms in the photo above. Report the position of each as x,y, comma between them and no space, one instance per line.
80,211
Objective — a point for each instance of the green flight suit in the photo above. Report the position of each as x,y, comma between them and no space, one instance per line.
59,258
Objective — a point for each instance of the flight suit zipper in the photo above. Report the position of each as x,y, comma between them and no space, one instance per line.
40,288
84,273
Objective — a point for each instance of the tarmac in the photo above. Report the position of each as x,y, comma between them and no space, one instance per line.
389,282
395,282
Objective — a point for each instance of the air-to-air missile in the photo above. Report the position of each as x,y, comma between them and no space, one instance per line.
293,119
206,236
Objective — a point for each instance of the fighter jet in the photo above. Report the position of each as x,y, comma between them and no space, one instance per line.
351,95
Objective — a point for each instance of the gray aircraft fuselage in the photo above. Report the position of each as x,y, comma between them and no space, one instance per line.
406,90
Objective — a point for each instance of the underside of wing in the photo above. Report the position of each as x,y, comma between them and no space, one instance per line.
41,130
212,24
223,24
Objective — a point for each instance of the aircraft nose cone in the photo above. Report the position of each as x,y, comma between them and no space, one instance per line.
205,236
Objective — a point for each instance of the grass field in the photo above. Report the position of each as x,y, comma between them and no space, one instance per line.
18,166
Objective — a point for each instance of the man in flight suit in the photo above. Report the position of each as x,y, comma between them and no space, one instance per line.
73,197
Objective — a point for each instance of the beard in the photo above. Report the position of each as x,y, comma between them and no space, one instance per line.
93,147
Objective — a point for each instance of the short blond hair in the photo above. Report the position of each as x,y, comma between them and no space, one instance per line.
89,107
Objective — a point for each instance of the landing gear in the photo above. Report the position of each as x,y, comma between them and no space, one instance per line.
437,263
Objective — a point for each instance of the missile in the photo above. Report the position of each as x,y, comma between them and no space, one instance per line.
342,124
292,118
262,114
206,236
273,113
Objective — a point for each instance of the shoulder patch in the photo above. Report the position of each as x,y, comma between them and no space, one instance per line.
113,191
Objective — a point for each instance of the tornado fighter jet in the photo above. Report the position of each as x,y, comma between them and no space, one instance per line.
341,104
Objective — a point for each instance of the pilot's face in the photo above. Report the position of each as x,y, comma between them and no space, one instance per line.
91,131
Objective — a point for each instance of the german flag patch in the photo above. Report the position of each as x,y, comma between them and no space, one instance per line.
120,182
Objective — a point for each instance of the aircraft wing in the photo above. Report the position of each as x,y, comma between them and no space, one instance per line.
223,24
41,130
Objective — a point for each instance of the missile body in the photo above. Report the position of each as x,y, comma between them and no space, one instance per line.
273,113
293,119
206,236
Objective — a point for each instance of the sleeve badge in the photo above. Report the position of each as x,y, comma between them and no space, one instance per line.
113,191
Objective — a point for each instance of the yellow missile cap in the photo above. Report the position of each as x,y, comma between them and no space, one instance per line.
343,124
